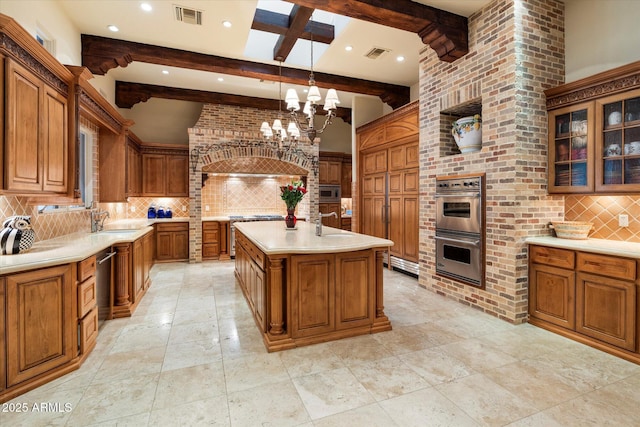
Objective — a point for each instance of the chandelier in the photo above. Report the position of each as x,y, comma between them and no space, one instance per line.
306,125
276,132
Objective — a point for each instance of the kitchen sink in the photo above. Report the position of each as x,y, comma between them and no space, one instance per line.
337,235
127,231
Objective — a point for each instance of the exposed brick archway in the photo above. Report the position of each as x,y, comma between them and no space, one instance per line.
227,140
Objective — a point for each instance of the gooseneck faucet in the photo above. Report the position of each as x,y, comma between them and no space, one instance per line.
97,218
319,221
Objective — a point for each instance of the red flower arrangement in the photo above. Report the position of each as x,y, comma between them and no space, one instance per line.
292,193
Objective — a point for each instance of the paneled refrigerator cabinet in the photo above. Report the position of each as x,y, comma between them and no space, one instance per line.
388,173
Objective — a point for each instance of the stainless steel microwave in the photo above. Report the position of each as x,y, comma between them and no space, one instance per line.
329,194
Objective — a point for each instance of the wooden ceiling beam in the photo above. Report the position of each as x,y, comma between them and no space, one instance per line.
101,54
444,32
298,19
128,94
278,23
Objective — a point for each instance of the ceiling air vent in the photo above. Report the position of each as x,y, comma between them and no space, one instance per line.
188,16
376,52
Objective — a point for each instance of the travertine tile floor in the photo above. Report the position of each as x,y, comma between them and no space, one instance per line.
191,355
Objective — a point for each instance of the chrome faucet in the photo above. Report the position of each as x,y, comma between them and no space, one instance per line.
97,218
319,221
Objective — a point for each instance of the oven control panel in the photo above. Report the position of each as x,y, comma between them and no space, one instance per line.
473,184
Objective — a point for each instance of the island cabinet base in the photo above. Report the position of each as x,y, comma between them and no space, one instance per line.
302,299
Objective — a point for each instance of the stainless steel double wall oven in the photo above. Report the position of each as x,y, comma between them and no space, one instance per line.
460,225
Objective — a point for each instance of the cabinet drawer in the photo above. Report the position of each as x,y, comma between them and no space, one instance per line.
88,327
552,256
86,296
620,268
173,226
86,268
210,236
210,226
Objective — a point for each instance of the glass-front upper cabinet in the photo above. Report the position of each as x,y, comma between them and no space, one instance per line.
618,143
571,149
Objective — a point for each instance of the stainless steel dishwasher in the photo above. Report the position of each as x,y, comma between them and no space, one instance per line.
104,294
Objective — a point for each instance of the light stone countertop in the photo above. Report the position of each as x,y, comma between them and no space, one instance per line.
272,237
600,246
218,218
69,248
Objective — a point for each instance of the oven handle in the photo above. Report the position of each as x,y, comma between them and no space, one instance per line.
474,194
464,242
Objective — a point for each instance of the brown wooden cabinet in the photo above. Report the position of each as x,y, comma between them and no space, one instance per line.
313,286
36,154
210,239
250,269
329,172
172,241
330,221
120,161
341,286
41,322
374,210
142,253
551,288
345,223
3,341
594,133
87,305
355,301
133,262
165,174
388,170
134,169
592,298
346,178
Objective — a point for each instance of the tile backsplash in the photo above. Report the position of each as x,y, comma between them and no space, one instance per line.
46,225
137,207
603,211
244,195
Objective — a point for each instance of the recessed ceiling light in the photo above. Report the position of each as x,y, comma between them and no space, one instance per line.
227,24
348,48
400,58
113,28
146,7
165,72
220,79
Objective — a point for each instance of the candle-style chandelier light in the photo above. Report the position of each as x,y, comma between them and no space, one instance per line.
276,132
306,125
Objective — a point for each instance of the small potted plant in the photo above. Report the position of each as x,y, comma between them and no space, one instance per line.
292,194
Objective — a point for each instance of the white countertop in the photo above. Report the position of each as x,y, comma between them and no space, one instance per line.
73,247
600,246
218,218
273,237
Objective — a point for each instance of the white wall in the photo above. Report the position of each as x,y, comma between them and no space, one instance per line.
49,16
600,35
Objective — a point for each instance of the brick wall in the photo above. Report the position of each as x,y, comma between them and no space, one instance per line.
516,51
225,126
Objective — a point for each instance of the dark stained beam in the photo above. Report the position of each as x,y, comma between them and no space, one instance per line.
444,32
128,94
277,23
298,19
101,54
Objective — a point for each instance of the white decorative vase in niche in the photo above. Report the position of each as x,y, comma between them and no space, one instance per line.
467,132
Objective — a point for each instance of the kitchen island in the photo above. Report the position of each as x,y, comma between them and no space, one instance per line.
304,289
